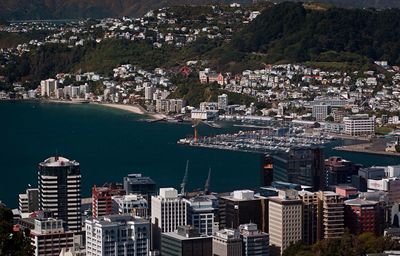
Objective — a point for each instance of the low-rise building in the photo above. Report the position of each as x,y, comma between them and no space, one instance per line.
117,235
49,237
185,241
359,125
227,242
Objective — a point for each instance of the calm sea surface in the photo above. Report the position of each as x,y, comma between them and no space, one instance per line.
111,143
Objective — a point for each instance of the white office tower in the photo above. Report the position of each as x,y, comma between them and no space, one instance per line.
135,205
255,242
227,242
168,211
49,237
117,235
285,219
59,182
203,211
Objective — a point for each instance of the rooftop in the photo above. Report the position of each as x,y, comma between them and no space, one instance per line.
360,202
136,178
116,219
57,161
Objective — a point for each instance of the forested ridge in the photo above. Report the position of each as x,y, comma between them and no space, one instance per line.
290,32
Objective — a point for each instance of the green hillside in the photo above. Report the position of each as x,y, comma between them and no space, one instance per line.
290,32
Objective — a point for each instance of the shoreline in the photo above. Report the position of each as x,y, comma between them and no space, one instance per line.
134,109
360,148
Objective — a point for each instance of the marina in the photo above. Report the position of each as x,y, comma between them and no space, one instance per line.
260,141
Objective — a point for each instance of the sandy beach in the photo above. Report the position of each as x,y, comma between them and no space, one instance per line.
136,109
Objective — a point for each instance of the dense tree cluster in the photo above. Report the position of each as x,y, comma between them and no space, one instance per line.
189,89
347,245
291,32
12,243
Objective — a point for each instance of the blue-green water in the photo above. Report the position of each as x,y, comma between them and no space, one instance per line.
111,143
108,144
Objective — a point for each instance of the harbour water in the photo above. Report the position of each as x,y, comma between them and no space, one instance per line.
111,143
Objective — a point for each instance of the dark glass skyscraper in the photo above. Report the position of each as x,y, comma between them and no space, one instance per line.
59,182
304,166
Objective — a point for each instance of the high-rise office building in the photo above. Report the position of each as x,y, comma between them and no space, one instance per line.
227,242
309,200
202,213
102,199
361,216
285,219
136,205
301,165
255,242
243,207
49,237
59,181
29,201
168,211
185,241
117,235
330,215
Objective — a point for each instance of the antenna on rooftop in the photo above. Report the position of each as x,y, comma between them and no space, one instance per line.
207,185
185,178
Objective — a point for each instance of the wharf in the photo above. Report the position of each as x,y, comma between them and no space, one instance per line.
376,146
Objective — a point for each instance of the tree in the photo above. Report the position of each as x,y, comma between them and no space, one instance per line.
329,119
347,245
12,243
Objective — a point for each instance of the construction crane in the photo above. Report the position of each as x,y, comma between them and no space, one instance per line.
185,178
207,185
196,123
